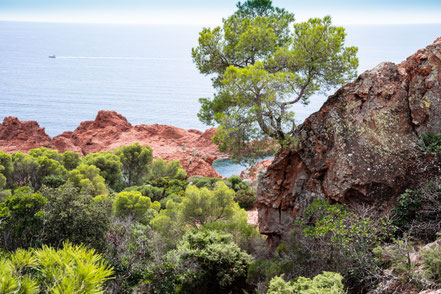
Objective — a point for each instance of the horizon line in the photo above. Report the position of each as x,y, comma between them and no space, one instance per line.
193,24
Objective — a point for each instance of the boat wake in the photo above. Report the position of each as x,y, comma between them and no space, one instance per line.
119,58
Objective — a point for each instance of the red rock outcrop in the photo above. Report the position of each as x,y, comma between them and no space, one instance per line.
252,172
110,130
17,135
361,146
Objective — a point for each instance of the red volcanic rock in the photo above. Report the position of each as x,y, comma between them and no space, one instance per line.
361,146
111,130
24,136
251,173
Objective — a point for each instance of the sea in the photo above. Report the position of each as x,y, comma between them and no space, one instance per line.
144,72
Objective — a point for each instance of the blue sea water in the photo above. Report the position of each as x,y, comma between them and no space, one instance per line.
144,72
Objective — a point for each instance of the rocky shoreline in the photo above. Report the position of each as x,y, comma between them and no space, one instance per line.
110,130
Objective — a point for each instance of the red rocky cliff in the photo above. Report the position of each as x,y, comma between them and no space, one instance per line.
361,146
111,130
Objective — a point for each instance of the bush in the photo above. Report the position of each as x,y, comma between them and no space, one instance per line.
72,269
431,142
246,199
49,153
133,204
396,256
154,193
201,206
325,283
208,262
135,161
30,170
203,182
333,238
74,216
432,263
70,160
162,169
175,198
109,165
54,181
131,248
21,219
237,183
6,168
405,211
87,178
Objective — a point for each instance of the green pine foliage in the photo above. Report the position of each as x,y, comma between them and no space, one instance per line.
71,269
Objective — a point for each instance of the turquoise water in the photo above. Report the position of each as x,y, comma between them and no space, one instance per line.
144,72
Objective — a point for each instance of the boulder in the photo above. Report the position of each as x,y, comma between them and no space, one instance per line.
361,147
17,135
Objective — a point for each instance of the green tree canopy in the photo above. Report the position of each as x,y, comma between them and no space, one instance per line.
135,161
262,63
133,204
6,168
49,153
21,219
70,160
172,170
88,179
109,165
209,262
74,216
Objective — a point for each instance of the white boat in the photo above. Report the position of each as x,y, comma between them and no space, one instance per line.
52,56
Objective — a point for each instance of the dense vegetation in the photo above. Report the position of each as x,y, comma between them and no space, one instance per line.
97,224
120,222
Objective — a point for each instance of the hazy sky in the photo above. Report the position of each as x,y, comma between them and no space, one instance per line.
210,12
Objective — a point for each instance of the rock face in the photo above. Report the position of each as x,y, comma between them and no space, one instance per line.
361,146
110,130
24,136
252,172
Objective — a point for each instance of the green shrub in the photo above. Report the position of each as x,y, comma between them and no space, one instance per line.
203,182
72,269
109,165
49,153
207,262
162,169
30,170
54,181
246,199
396,256
133,204
432,263
135,161
87,178
325,283
6,168
175,198
21,219
237,183
71,160
74,216
333,238
431,142
406,209
154,193
261,271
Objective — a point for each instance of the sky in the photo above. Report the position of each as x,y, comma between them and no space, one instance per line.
209,12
